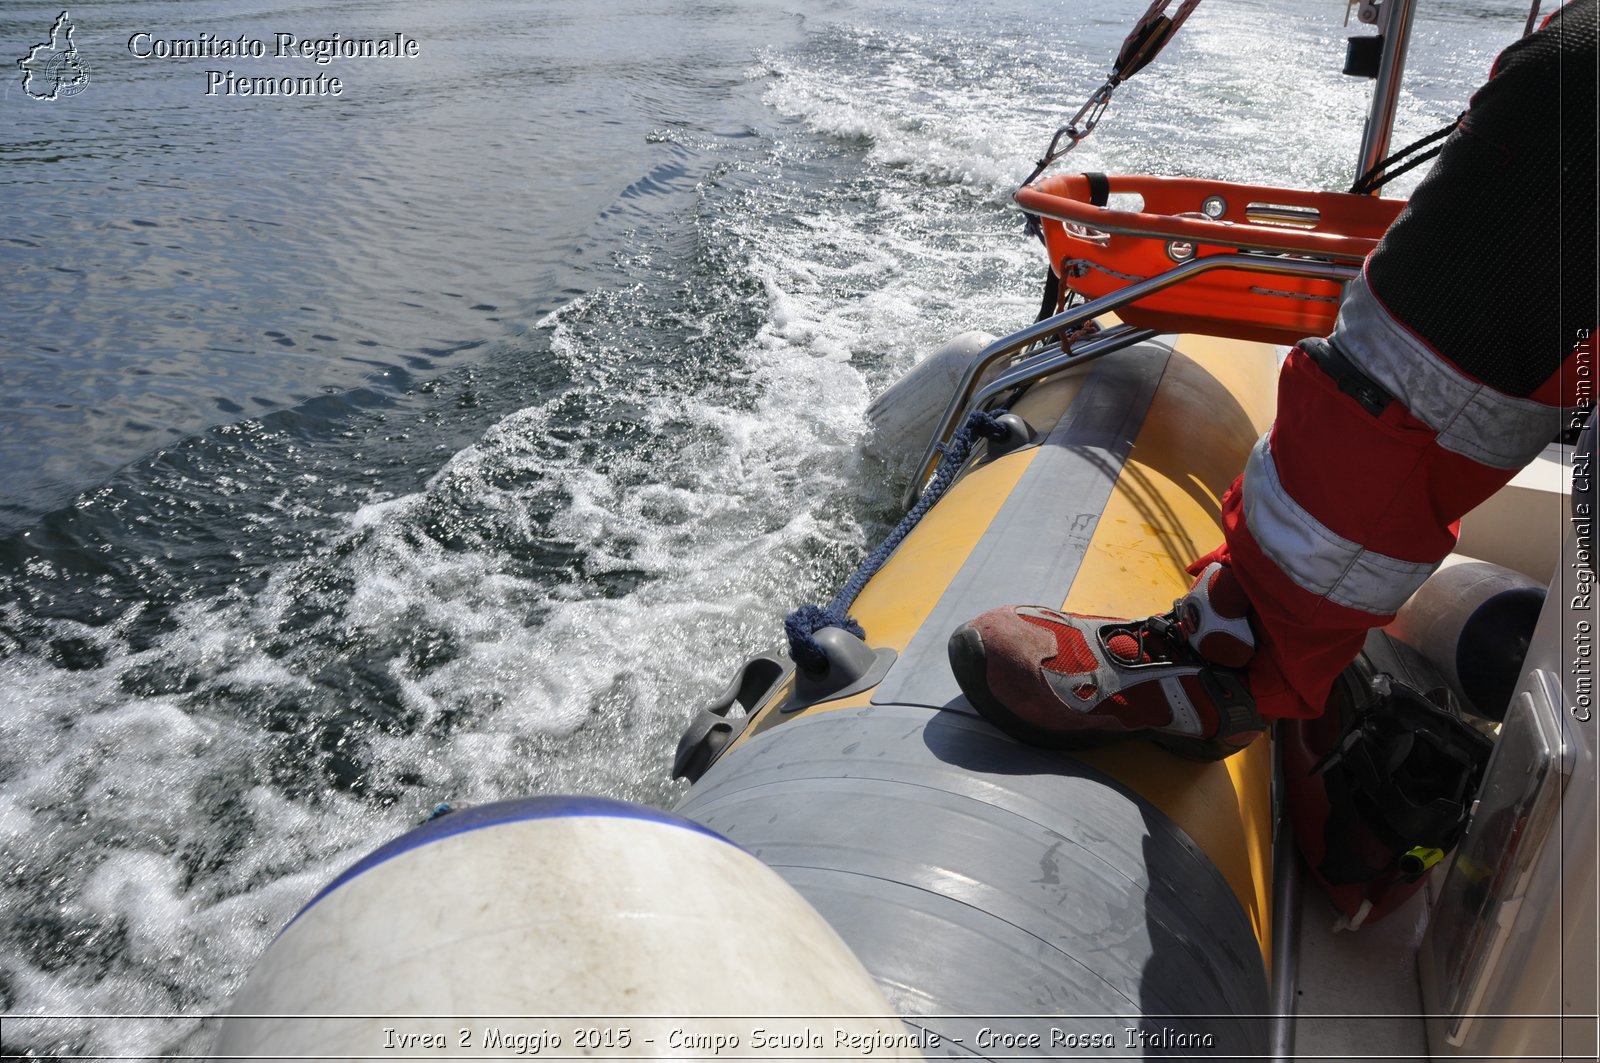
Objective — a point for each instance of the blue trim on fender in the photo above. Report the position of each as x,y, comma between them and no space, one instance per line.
479,817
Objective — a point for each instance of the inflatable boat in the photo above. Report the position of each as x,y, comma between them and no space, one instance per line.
863,867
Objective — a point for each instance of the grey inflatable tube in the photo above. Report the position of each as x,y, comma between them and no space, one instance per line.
1015,902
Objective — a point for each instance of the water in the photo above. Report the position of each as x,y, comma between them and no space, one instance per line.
452,439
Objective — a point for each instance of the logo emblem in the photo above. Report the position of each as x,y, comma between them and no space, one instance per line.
55,69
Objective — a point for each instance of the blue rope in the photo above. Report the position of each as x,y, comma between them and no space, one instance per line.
802,625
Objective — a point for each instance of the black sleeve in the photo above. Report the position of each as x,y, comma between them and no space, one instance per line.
1493,261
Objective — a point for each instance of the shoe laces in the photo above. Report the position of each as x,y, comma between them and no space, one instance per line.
1154,640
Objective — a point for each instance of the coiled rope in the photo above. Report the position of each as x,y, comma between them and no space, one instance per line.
802,625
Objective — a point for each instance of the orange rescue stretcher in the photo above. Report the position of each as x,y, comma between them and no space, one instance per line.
1098,248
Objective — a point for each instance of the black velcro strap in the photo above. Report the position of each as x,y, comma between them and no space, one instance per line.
1099,189
1352,381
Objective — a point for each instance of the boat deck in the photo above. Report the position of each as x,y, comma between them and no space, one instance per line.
1357,994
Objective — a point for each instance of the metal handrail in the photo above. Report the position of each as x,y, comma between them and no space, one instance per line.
1286,891
1395,17
1053,359
964,401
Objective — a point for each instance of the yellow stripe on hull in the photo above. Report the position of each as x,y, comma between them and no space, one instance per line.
1214,400
1211,408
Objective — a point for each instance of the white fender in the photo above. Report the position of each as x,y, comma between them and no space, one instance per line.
1473,621
904,417
562,926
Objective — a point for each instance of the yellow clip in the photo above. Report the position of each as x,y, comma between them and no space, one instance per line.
1419,860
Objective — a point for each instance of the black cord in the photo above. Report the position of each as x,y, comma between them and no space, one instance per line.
1376,178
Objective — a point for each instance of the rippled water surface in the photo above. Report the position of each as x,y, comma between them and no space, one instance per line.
450,439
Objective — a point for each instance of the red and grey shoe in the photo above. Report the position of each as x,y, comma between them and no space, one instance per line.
1066,681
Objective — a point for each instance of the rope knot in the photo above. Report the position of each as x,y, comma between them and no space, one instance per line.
801,625
988,425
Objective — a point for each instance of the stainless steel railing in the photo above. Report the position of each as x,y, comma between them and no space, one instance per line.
1053,359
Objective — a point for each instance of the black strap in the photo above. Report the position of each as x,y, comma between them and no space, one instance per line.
1099,189
1352,381
1052,294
